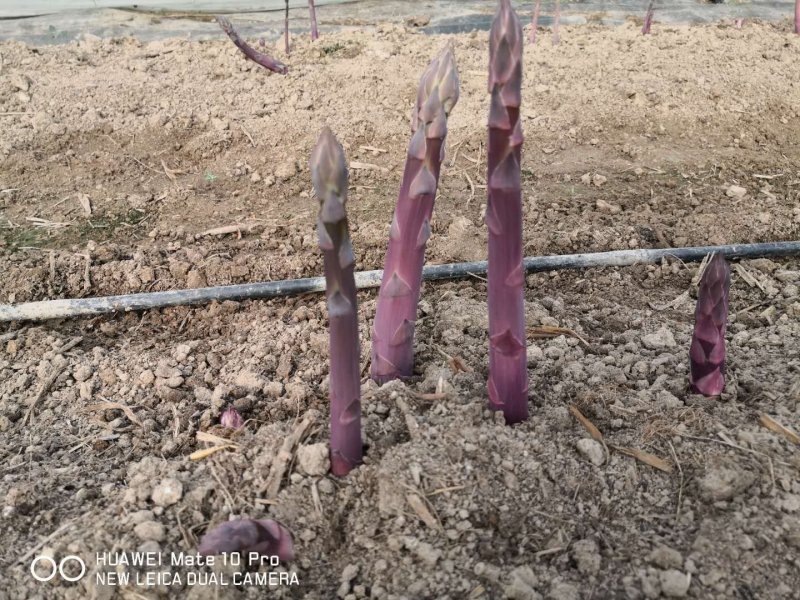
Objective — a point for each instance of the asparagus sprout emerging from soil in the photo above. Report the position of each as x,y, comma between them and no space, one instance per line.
508,378
707,353
557,24
329,176
393,333
648,17
231,418
312,13
535,20
264,537
250,52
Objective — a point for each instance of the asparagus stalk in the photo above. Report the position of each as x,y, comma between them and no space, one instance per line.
707,353
286,28
257,57
557,24
329,176
648,17
312,13
797,16
508,377
535,21
393,331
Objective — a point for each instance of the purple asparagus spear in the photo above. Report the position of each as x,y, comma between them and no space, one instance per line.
393,332
329,176
312,13
250,52
535,21
648,18
286,28
707,353
797,16
508,377
557,24
263,537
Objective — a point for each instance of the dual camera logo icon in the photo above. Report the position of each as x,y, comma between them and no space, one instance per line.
57,568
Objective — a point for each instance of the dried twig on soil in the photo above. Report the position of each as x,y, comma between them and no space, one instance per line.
645,457
508,375
109,405
773,425
286,453
421,510
46,385
549,331
50,537
257,57
587,424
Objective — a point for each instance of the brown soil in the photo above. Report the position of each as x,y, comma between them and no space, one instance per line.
631,142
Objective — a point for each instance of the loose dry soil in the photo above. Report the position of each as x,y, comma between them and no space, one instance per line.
126,154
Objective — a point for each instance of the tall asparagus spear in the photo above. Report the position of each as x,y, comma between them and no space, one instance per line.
535,20
312,13
707,353
286,28
393,332
797,16
329,176
508,377
648,17
257,57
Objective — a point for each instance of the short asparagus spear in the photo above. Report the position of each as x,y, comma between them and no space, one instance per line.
329,176
707,353
648,17
312,13
535,20
393,332
508,378
252,537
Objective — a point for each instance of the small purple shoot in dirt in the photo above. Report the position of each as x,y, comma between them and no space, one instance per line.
396,313
329,177
312,13
262,536
508,376
257,57
286,28
738,23
535,21
707,353
557,24
648,17
231,418
797,16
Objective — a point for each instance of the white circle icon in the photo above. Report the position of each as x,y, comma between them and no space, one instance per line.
58,568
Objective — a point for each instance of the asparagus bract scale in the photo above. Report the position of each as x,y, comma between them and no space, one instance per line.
329,176
396,313
508,377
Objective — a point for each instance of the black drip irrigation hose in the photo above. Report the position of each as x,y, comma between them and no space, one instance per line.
83,307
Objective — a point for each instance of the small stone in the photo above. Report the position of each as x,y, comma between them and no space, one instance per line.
427,553
598,180
182,352
723,483
523,585
167,493
736,191
313,459
255,177
535,355
667,400
586,555
220,124
659,340
148,531
174,382
146,378
286,170
592,451
674,584
791,503
665,557
20,81
196,279
561,590
250,382
164,371
607,207
83,373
